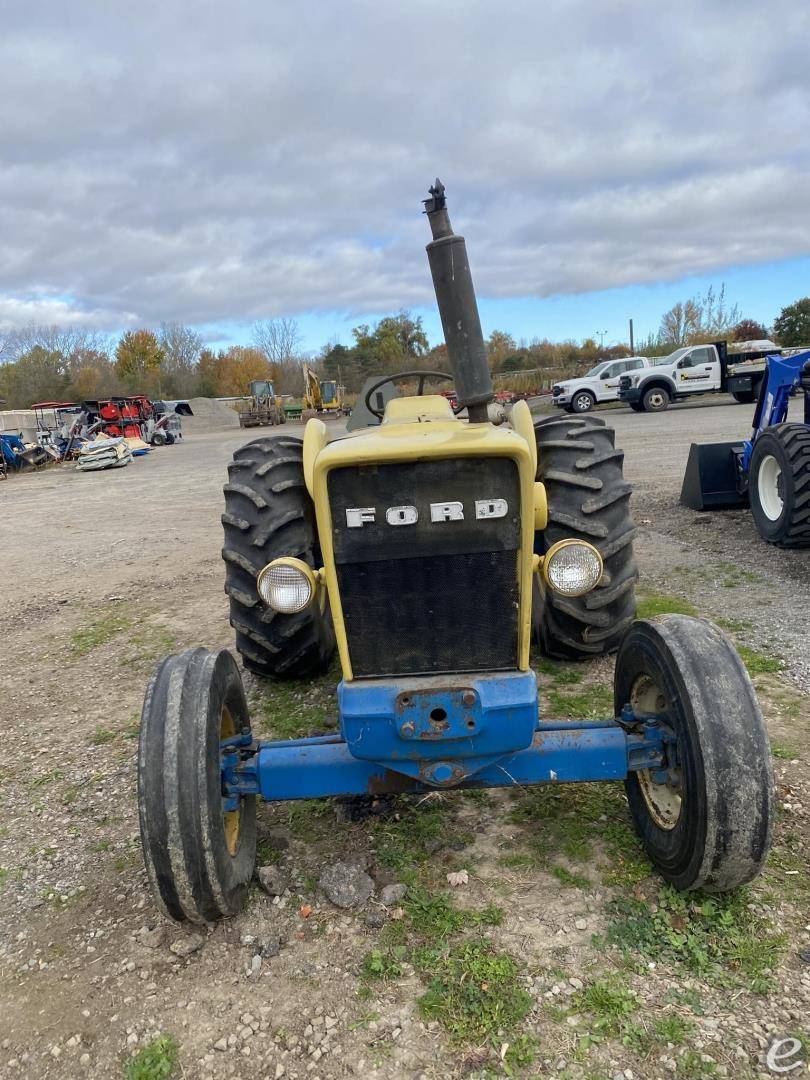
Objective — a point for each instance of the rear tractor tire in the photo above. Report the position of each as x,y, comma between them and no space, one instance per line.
779,485
199,856
268,514
705,817
588,499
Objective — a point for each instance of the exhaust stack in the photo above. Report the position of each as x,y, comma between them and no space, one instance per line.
455,296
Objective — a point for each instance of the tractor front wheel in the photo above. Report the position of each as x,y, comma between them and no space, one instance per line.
779,485
199,855
588,499
705,816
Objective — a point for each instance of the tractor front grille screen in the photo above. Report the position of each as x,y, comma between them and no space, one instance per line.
427,564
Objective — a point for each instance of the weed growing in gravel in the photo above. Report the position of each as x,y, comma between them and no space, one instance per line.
158,1060
717,937
736,626
98,630
691,1066
433,917
608,1002
385,964
648,605
759,663
473,991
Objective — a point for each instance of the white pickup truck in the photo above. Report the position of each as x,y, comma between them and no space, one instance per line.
699,369
596,386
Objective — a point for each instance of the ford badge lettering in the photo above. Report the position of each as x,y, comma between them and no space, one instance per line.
440,512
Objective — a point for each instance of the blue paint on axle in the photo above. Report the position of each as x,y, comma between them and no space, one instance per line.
483,731
320,767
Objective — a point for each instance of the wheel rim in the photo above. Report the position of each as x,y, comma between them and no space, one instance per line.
770,488
582,403
656,399
231,819
664,801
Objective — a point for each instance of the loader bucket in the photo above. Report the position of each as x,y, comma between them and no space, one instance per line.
710,480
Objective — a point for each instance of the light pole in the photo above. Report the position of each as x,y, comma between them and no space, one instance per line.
601,335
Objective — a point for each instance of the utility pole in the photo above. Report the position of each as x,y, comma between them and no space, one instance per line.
632,346
601,335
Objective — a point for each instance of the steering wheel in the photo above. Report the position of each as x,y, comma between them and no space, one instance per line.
423,377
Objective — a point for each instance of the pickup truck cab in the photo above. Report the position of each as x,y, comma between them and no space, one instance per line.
596,386
698,369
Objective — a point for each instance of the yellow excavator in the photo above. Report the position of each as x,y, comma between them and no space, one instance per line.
322,397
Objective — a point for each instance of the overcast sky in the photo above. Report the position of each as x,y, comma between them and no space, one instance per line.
215,163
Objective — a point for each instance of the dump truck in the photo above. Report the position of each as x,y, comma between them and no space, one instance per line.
425,551
699,369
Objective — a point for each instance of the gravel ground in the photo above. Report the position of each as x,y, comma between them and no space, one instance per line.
103,574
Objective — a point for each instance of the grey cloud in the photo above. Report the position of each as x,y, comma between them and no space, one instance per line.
180,161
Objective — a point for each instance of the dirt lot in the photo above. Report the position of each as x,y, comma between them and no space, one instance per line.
552,951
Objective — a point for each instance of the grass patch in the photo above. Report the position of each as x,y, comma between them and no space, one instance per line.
101,736
735,626
648,605
297,708
759,663
608,1002
158,1060
586,703
570,879
786,753
568,818
718,938
433,917
306,817
152,642
97,631
560,674
473,992
405,839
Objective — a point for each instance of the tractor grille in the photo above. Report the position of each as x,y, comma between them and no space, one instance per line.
428,596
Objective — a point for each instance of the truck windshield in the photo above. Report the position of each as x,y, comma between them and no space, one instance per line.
672,358
595,370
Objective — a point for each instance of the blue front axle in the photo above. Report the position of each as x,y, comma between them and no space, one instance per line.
422,736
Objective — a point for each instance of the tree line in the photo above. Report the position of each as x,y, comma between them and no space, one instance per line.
52,363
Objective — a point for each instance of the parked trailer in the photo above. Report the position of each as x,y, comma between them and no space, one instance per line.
699,369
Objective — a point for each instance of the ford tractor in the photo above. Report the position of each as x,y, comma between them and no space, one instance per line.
427,550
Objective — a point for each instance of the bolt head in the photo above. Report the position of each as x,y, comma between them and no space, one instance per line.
468,698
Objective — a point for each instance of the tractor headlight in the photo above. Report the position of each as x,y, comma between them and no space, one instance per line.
287,585
572,567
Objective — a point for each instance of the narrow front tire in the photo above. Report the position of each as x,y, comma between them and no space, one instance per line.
199,856
705,817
